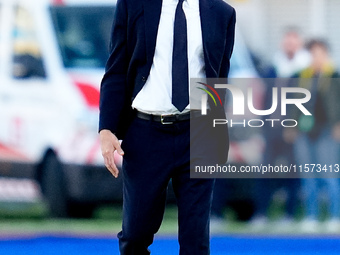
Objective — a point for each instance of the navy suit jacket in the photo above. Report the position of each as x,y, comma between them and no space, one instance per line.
133,42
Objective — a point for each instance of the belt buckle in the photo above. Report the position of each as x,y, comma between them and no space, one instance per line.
164,122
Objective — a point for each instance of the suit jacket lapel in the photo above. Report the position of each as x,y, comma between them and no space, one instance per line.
152,14
208,20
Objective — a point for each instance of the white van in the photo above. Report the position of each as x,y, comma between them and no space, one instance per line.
52,57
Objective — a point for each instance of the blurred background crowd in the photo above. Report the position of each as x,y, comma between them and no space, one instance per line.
296,40
62,45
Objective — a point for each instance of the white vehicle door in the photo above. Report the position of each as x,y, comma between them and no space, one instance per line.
29,110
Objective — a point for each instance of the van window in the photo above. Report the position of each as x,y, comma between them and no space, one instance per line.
27,60
83,34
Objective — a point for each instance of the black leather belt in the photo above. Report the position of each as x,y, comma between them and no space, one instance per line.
168,119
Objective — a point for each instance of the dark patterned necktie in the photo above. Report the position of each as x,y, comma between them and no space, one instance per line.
180,73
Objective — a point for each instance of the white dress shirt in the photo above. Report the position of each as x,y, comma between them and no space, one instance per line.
155,96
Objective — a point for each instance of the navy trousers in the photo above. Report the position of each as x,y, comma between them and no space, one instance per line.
154,154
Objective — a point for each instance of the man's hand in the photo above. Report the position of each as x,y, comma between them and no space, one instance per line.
109,143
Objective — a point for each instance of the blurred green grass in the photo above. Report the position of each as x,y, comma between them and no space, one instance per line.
32,218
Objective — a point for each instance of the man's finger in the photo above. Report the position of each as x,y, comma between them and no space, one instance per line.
115,170
111,166
112,170
118,148
107,164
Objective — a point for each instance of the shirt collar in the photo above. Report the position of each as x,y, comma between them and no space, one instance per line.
191,3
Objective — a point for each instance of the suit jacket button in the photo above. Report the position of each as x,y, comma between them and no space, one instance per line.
143,78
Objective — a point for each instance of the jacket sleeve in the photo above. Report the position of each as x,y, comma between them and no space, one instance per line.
225,65
113,85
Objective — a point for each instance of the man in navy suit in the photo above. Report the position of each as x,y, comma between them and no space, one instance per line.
156,47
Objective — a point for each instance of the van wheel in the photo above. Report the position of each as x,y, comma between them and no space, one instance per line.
53,187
